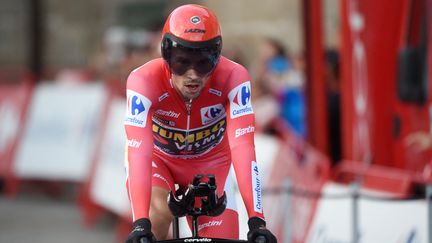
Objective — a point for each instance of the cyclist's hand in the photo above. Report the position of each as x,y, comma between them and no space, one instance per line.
258,233
141,232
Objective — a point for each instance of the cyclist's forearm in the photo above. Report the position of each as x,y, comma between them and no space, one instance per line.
139,184
248,179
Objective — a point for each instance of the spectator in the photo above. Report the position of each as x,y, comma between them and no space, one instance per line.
280,83
332,78
420,141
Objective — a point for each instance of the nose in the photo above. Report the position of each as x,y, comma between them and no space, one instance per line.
191,73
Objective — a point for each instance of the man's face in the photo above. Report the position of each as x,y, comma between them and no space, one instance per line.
187,72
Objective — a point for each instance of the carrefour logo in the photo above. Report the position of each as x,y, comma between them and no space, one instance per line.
136,105
137,109
256,182
240,100
243,97
210,114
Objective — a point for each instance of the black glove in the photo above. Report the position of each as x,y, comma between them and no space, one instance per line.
141,232
258,233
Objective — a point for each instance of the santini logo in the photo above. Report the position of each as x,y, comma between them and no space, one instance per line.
137,109
240,100
242,131
210,224
134,143
167,113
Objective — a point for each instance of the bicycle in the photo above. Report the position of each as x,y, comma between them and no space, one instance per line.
181,204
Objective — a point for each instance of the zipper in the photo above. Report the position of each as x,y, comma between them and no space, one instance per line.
188,109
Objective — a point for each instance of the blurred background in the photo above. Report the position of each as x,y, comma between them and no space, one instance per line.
341,92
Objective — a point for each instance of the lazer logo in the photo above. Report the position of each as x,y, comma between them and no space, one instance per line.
194,31
210,114
240,100
137,109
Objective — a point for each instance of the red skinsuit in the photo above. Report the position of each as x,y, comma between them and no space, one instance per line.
170,142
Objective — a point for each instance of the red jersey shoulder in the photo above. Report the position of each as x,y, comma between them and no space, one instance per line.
231,72
149,78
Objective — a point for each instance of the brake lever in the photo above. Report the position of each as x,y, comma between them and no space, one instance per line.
181,207
216,209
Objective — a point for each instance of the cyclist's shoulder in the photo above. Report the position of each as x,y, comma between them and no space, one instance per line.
148,75
232,73
150,71
228,67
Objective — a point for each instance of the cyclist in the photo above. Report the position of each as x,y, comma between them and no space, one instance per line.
190,113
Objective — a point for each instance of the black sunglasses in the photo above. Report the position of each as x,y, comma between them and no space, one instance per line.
200,60
182,56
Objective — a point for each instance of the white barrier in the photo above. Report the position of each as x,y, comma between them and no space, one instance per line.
108,188
13,101
379,221
61,132
9,124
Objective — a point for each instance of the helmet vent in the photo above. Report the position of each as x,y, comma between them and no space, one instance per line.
195,20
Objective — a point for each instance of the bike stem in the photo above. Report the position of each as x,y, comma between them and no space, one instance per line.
195,226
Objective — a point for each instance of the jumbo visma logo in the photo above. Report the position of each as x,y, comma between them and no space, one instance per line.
240,100
194,142
137,109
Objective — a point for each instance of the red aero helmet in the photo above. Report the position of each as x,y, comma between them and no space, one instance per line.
195,29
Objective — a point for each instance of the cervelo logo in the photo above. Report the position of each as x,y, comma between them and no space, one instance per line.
211,113
134,143
198,240
242,131
210,224
167,113
240,100
137,109
256,182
